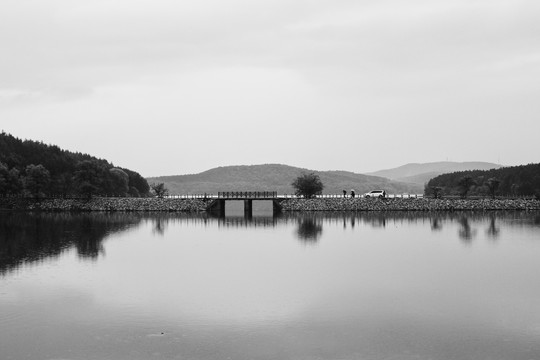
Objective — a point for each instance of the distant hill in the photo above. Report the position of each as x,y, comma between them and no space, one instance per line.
421,173
276,177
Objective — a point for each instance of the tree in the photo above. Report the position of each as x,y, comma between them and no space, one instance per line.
4,179
308,185
492,185
119,182
36,180
138,186
159,189
10,180
89,177
17,154
14,182
465,183
436,191
133,192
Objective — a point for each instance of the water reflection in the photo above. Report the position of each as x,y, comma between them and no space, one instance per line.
31,237
309,229
493,230
436,224
466,233
310,225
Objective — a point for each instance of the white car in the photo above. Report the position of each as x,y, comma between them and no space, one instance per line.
375,194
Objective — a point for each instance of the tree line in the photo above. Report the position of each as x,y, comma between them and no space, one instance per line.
523,180
32,168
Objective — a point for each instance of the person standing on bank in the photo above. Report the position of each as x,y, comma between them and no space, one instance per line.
344,193
352,193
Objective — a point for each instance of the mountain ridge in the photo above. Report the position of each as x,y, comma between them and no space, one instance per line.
421,173
276,177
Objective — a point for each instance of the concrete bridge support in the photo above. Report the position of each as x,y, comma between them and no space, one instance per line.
217,207
248,208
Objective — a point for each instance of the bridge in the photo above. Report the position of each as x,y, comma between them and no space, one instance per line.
217,205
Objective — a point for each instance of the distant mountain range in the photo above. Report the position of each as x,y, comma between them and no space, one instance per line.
276,177
421,173
409,178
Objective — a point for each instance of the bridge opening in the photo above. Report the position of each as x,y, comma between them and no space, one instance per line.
259,208
244,207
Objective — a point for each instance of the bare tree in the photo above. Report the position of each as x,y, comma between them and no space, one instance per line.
159,189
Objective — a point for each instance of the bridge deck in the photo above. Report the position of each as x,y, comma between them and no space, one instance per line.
218,204
247,195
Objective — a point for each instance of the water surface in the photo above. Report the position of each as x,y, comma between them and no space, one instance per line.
299,286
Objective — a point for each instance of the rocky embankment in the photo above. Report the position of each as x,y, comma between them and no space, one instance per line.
362,204
332,204
104,204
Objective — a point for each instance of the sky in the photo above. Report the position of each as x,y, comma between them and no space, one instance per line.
167,87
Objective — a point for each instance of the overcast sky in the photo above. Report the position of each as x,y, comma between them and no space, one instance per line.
169,87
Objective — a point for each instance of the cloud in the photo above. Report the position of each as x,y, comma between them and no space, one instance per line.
230,66
85,44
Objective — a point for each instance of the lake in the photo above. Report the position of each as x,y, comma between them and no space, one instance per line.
460,285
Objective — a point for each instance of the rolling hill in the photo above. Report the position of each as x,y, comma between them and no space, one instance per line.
277,177
420,174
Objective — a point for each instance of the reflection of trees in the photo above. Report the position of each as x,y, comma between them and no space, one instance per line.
493,230
309,230
32,237
466,233
436,224
29,237
160,225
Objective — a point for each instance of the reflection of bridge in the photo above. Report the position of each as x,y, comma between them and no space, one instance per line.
218,205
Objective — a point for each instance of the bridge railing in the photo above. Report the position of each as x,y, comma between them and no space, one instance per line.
247,194
274,194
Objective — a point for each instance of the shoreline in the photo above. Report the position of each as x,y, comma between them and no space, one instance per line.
288,205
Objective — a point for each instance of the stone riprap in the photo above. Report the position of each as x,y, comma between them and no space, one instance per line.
397,204
328,204
104,204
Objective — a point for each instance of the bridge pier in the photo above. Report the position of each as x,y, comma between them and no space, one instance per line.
276,207
217,206
248,208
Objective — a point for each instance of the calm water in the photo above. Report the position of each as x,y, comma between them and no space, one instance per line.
300,286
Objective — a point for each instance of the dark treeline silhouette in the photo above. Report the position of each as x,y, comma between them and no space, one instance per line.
523,180
36,169
26,238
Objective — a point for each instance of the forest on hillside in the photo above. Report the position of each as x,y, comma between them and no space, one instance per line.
32,168
523,180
